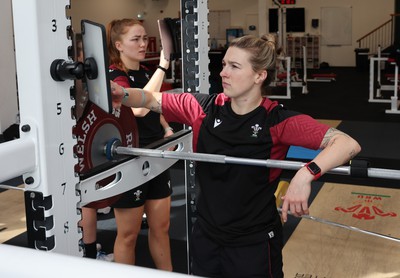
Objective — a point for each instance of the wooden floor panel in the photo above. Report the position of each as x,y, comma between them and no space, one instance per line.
332,123
319,250
12,214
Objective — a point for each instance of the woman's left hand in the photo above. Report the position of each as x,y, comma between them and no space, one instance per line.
168,132
296,198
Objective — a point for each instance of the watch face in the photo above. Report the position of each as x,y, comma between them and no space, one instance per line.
314,168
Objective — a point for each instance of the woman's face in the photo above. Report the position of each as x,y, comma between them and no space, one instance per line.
238,77
133,43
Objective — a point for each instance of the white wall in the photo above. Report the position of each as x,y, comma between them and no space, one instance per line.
366,15
103,11
8,88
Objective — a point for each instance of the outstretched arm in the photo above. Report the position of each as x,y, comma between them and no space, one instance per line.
338,148
154,84
136,98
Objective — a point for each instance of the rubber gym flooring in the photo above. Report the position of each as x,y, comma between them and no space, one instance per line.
342,104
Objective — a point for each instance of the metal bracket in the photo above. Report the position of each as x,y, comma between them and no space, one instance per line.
36,221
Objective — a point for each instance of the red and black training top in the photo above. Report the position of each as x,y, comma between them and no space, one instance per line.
150,129
236,204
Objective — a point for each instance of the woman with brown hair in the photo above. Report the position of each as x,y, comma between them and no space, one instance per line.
127,42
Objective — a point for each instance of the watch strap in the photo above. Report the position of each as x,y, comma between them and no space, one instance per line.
314,169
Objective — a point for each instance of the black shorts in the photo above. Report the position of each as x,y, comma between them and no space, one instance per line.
210,259
157,188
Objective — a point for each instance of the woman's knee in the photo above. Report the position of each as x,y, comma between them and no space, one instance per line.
159,226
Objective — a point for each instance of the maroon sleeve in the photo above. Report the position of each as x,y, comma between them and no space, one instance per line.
300,130
185,109
181,108
122,81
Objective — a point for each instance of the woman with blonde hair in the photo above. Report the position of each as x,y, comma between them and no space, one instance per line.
238,231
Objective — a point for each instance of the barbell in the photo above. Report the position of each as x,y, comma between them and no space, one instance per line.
357,168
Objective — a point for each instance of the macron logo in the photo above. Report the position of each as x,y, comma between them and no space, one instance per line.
271,234
217,122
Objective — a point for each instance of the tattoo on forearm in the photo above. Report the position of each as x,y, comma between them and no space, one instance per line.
327,137
157,108
327,140
352,154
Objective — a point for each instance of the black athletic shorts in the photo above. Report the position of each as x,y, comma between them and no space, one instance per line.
157,188
210,259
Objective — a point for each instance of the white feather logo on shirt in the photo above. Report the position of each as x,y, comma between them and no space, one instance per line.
256,128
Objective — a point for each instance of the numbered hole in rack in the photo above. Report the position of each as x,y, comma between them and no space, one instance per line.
146,168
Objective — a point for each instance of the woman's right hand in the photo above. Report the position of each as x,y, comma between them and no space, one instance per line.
116,95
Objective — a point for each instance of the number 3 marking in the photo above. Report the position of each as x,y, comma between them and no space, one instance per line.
54,25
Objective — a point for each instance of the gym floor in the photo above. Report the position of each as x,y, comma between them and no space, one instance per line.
342,104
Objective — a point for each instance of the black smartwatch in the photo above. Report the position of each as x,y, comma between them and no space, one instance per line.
314,169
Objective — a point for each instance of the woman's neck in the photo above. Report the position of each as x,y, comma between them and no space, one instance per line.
130,64
246,104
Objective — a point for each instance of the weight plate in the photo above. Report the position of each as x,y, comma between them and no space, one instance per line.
93,130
